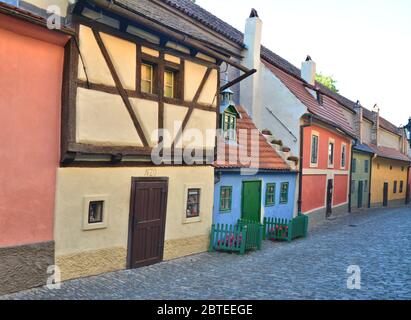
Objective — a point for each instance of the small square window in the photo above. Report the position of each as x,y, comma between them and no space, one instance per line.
270,194
331,154
352,186
193,203
147,78
314,149
95,212
395,187
284,193
401,186
354,165
229,126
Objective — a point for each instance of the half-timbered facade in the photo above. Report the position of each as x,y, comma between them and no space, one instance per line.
138,139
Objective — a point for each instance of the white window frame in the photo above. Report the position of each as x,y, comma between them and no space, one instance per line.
200,186
331,141
343,148
106,209
317,134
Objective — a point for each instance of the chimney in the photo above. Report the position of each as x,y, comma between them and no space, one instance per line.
308,70
375,125
358,121
250,96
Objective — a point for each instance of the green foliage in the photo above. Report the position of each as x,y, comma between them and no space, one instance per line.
327,81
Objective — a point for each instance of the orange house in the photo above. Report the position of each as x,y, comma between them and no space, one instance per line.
31,72
326,170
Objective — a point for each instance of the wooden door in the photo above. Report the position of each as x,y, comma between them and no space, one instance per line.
251,200
147,221
360,193
329,197
385,195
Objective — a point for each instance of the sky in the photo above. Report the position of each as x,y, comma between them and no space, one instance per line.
364,44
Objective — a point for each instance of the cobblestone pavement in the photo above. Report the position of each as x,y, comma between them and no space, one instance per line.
378,241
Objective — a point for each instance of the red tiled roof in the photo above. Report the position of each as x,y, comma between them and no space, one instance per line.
268,158
330,111
389,153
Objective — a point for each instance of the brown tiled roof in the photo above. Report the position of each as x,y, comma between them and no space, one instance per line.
389,153
330,111
268,158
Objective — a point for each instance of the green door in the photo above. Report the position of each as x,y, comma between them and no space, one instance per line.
251,200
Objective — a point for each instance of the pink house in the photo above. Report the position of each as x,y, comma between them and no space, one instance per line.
31,73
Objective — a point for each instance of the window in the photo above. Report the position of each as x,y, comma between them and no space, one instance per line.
395,186
193,203
170,78
147,78
402,169
284,193
401,186
320,99
352,186
354,165
229,126
270,194
331,153
365,185
314,149
95,212
343,155
366,166
225,198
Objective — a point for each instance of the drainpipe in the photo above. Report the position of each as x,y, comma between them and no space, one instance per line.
349,186
300,177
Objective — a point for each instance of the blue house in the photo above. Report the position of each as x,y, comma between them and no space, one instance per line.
250,183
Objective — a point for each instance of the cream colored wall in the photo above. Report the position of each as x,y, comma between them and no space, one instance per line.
388,139
73,184
102,119
194,73
367,126
147,111
44,4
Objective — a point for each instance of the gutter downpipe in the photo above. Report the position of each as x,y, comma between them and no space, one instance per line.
300,177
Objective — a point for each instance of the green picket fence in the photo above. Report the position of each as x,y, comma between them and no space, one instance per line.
244,236
254,234
283,229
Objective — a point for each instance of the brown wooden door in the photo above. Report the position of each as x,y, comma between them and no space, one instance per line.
147,221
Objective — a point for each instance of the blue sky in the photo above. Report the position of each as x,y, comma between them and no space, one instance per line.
365,44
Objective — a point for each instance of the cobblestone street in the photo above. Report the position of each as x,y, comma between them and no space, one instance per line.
378,241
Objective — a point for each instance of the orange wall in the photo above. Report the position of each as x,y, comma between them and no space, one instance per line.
340,189
325,134
30,101
314,188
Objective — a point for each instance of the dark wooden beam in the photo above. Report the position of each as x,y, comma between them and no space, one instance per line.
120,87
191,107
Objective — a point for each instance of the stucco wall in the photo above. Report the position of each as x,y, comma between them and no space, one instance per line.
390,140
360,175
314,188
235,181
30,98
340,195
385,174
115,183
367,126
276,96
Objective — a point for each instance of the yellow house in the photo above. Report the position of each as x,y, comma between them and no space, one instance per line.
139,116
390,162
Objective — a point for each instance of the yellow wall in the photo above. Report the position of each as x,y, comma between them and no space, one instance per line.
384,174
76,248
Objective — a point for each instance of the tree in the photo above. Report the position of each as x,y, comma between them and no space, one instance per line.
327,81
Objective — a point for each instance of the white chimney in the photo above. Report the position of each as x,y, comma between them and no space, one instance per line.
250,96
308,70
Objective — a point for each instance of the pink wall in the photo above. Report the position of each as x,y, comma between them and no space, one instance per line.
30,102
340,189
314,188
